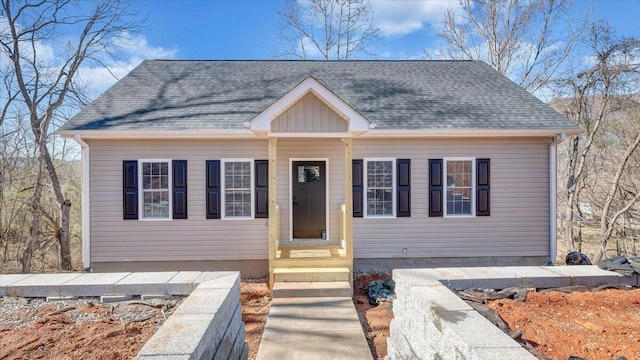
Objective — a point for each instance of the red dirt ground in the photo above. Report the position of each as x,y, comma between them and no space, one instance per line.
78,329
375,319
591,325
255,302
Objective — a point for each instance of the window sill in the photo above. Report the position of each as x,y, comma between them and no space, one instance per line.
238,218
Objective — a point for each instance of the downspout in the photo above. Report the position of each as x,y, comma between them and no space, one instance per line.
86,214
553,196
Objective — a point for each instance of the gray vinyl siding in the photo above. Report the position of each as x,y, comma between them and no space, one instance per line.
518,225
519,221
115,239
309,114
305,149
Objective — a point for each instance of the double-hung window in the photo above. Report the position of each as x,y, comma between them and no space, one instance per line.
380,195
155,199
459,175
237,185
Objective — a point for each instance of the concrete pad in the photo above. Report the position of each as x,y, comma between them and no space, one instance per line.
312,289
92,284
307,314
144,283
40,285
313,328
8,279
183,283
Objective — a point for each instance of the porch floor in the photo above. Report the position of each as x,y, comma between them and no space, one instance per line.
310,252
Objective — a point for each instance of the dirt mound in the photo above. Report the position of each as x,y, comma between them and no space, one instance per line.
590,325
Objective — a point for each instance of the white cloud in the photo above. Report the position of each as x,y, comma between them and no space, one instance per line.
133,49
401,17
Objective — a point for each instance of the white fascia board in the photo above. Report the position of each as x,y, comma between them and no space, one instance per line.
467,133
310,135
160,134
357,122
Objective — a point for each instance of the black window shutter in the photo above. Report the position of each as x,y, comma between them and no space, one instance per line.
357,194
482,187
404,187
130,189
262,188
179,189
213,189
435,188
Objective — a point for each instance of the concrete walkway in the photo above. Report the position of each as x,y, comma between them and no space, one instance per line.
313,328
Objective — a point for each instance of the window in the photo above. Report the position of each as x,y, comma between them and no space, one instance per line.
237,183
155,178
459,174
380,174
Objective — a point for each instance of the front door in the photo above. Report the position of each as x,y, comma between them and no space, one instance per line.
309,199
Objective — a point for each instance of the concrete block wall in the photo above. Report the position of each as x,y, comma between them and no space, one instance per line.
207,325
431,322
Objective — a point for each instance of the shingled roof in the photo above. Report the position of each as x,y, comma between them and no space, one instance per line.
193,95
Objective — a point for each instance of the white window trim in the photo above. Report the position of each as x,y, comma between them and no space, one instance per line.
224,195
141,192
394,189
473,186
326,180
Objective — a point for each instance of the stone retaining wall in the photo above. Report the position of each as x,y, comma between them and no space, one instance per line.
207,325
431,322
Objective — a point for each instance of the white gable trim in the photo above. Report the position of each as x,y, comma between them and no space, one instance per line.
262,122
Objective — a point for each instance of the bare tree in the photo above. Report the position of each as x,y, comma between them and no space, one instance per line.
526,40
600,160
326,29
47,84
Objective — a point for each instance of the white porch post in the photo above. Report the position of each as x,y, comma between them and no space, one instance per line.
348,202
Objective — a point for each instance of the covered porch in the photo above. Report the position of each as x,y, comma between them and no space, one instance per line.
317,255
310,132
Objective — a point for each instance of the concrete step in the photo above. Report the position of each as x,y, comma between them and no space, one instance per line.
311,289
309,274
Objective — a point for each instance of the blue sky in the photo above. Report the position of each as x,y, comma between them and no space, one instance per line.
209,29
248,29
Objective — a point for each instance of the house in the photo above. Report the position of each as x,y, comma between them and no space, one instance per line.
265,165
